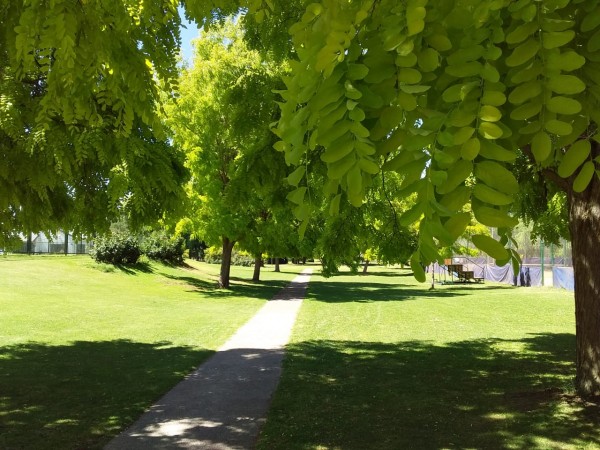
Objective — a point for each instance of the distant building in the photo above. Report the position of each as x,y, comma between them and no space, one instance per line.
55,243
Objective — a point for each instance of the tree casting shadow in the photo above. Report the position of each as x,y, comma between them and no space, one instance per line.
80,395
357,395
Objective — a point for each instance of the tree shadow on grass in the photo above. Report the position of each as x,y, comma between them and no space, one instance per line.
80,395
359,290
470,394
239,287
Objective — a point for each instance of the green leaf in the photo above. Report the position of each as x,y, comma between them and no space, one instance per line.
414,18
463,135
492,196
558,127
493,217
583,178
490,246
295,177
334,206
415,265
368,166
521,33
490,113
457,174
523,53
555,39
412,215
339,168
337,150
456,225
496,176
357,71
468,69
409,60
470,149
563,105
490,130
541,146
526,110
525,91
428,60
439,41
409,76
566,61
493,98
593,43
493,151
566,84
354,180
297,195
591,20
574,157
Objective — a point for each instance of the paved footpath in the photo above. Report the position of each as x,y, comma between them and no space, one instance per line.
224,403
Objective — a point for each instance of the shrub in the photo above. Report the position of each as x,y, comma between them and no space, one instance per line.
213,255
116,249
157,245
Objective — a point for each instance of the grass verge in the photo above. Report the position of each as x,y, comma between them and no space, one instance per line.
381,362
86,348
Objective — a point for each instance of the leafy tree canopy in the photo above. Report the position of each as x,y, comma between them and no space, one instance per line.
445,93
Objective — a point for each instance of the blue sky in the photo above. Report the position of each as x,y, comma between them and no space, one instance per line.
187,34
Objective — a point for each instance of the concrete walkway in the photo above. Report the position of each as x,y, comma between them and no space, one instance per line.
223,404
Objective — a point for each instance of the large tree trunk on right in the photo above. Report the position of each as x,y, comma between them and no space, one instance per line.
226,263
584,223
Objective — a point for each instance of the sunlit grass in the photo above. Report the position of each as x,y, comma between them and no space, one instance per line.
85,348
382,362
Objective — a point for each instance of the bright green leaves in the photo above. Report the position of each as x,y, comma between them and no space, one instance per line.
415,15
541,146
523,53
490,246
577,153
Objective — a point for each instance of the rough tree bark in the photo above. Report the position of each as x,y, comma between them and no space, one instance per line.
257,264
584,224
226,263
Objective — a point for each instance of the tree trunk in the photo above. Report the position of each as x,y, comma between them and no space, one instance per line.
257,264
277,265
226,263
584,224
66,248
365,266
29,243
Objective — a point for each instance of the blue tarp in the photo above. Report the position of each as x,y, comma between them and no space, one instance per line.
563,277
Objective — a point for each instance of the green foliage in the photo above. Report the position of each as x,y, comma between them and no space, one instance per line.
116,249
80,128
160,246
447,95
213,255
222,119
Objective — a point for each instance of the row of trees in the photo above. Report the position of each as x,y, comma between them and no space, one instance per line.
450,99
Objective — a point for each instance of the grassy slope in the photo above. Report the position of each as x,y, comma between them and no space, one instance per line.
381,362
84,349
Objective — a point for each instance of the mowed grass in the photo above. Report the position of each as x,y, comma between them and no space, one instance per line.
86,348
381,362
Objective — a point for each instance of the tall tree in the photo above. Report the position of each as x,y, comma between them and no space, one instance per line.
451,93
80,136
222,120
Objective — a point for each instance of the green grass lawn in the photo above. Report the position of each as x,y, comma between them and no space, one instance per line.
381,362
85,348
